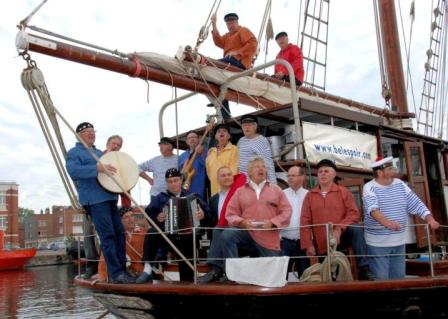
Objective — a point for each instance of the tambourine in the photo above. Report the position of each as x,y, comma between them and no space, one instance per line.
127,172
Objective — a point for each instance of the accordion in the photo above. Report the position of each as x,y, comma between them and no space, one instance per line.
181,215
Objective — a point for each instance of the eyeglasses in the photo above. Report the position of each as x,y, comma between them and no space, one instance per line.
294,175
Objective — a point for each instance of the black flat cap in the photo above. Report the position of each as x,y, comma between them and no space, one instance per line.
166,140
82,126
222,125
281,34
230,17
327,163
172,172
248,118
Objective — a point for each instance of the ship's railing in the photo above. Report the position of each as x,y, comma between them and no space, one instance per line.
195,232
224,87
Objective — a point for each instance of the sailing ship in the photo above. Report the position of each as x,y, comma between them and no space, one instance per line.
295,116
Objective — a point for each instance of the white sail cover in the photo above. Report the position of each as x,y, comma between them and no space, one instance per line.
261,271
246,84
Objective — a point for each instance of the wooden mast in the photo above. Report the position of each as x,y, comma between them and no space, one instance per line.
392,55
129,67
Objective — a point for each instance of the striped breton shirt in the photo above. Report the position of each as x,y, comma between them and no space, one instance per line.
260,146
395,202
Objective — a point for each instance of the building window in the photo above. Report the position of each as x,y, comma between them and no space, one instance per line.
77,218
42,223
2,200
3,222
77,230
61,220
61,230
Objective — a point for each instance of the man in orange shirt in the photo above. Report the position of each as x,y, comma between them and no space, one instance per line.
239,45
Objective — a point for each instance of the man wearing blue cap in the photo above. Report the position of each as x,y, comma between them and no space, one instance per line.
387,203
98,202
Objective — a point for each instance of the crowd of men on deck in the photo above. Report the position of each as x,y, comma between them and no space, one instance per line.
238,195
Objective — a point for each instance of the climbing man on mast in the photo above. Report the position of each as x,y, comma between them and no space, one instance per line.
239,45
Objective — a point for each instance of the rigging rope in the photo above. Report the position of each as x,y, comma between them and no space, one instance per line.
385,91
204,31
407,50
269,30
32,80
335,267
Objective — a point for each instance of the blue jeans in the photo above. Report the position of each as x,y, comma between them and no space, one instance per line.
89,241
387,267
225,104
229,241
291,248
110,229
233,61
354,236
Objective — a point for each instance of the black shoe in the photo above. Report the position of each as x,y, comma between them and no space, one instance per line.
144,278
365,274
90,272
211,276
224,278
123,278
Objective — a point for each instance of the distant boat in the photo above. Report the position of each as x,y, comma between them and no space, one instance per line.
15,259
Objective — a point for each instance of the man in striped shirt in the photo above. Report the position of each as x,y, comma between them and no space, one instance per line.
387,203
253,144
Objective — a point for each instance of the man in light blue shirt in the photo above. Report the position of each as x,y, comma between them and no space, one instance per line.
158,166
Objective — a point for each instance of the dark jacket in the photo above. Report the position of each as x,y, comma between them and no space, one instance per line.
158,202
214,203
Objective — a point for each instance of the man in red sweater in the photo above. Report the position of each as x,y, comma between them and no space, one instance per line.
291,53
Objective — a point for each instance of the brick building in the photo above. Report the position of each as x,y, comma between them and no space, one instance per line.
9,212
57,225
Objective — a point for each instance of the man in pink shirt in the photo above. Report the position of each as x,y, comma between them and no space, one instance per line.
257,205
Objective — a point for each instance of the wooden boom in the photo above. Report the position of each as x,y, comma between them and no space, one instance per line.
129,67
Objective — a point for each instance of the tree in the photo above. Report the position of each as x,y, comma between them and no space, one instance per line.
24,213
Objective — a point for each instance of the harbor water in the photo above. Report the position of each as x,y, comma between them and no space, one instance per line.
46,292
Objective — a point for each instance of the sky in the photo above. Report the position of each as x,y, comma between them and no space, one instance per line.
117,104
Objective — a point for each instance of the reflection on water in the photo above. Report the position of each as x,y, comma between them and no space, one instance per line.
45,292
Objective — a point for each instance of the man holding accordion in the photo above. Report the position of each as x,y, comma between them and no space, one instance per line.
175,211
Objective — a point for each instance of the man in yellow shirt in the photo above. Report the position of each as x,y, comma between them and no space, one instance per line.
223,154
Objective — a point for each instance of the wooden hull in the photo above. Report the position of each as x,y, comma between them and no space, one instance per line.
416,298
15,259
